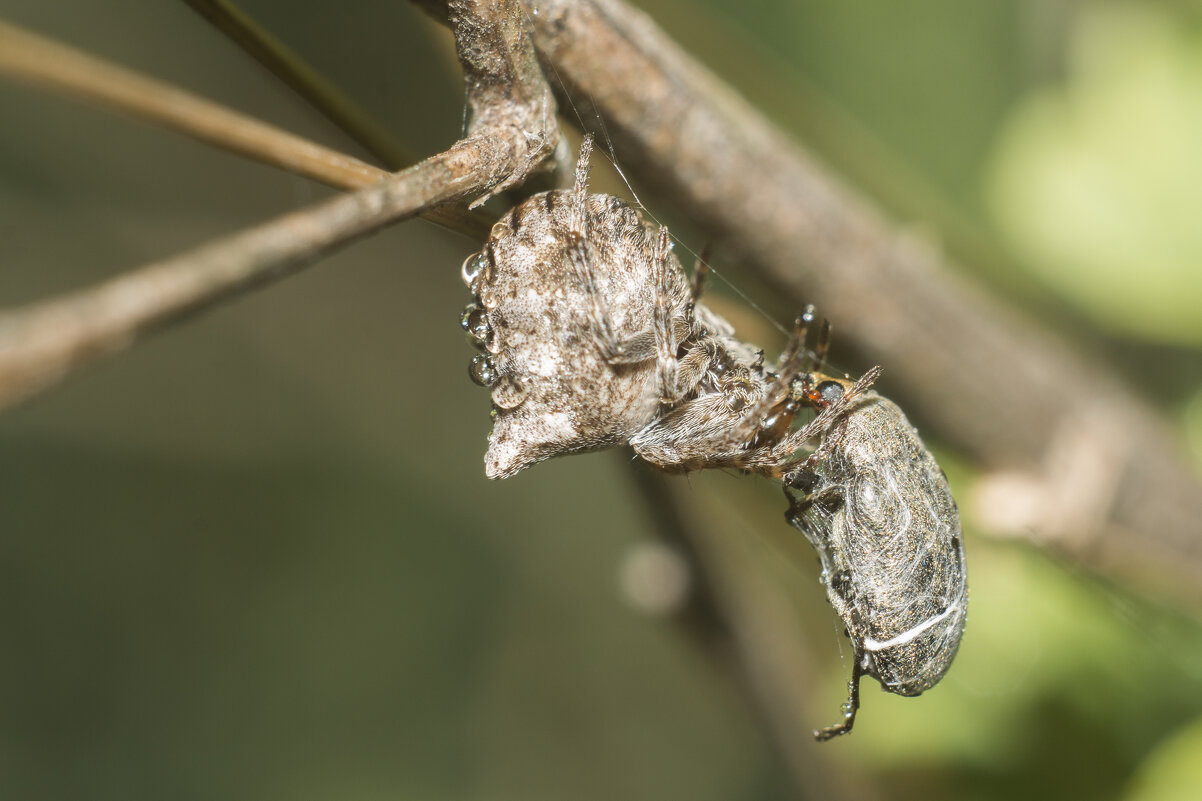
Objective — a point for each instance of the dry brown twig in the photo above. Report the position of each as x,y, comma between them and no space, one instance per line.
512,129
54,66
48,64
286,65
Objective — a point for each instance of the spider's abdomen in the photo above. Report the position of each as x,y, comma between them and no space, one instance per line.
536,319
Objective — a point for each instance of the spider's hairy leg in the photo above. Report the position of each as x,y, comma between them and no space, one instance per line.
578,254
665,334
615,349
578,221
771,418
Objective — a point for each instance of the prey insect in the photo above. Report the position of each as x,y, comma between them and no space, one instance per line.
877,508
591,335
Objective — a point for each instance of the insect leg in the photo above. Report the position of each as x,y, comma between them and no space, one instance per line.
850,707
822,345
791,358
665,335
782,451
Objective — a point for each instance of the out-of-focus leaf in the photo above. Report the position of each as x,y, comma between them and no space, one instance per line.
1098,182
1174,770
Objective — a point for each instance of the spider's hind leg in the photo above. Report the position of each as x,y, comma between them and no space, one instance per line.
665,334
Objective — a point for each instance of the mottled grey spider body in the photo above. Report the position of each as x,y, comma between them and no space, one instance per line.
567,322
592,336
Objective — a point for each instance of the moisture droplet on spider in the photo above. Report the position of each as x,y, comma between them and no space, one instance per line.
475,323
595,337
482,371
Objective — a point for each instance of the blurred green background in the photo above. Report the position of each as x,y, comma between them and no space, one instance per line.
256,557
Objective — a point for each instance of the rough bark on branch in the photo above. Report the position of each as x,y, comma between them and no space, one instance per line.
504,85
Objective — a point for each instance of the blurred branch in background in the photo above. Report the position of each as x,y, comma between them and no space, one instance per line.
51,65
512,130
311,85
43,62
1007,392
742,623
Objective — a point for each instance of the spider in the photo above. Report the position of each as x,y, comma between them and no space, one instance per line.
592,336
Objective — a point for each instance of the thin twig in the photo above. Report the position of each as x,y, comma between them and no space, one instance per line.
52,65
311,85
999,386
43,342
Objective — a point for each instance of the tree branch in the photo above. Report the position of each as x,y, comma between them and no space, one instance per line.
307,82
43,342
52,65
504,83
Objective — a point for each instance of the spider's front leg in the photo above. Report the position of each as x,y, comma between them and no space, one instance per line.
613,349
660,340
771,418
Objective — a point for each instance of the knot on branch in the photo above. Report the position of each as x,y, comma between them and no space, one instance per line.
507,93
